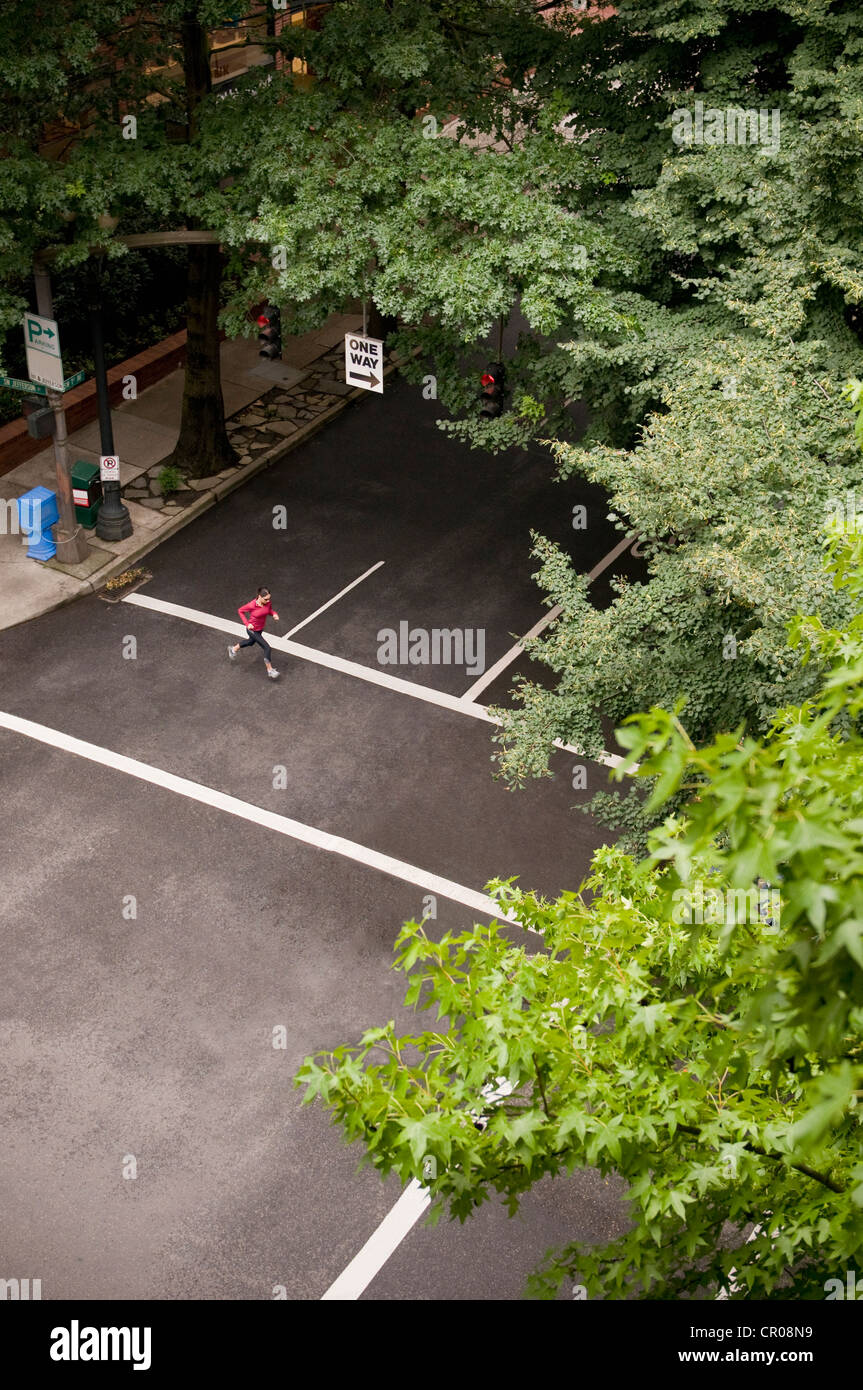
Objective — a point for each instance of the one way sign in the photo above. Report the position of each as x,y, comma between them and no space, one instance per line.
364,362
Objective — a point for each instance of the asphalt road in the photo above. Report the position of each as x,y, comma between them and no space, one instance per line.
150,1037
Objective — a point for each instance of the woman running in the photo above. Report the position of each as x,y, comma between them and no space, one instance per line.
253,617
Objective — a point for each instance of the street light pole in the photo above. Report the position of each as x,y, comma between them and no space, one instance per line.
113,522
72,546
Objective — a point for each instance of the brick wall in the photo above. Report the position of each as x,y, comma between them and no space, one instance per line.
148,367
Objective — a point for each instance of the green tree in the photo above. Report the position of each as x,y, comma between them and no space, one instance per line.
702,299
105,102
269,167
675,1023
354,190
713,375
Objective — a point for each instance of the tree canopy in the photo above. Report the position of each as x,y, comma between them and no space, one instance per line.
300,182
718,426
702,298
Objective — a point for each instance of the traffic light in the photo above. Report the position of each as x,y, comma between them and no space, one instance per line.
270,332
493,391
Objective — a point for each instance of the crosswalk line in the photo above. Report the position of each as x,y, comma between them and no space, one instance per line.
456,704
271,820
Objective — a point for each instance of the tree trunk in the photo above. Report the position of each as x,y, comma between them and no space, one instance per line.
380,325
203,446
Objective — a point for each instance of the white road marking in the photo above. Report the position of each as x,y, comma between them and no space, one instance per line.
457,704
612,555
334,663
398,1223
514,652
414,1200
362,1269
606,759
245,810
732,1286
509,657
329,603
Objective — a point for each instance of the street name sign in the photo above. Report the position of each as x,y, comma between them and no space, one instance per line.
364,362
109,468
42,345
15,383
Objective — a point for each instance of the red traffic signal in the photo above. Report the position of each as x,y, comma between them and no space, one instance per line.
493,382
270,333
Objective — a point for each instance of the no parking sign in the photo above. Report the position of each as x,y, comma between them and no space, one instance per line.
109,468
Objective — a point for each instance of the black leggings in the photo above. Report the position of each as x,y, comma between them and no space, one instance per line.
258,637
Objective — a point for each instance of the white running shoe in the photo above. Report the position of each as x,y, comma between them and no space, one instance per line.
232,654
272,673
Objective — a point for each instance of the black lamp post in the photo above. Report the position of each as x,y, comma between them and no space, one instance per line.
113,522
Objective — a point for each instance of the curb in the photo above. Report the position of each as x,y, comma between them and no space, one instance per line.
279,451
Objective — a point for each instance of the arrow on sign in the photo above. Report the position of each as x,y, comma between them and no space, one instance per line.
363,361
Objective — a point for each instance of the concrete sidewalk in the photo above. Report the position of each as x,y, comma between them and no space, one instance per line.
270,408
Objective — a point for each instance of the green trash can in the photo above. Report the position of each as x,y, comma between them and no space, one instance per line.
86,492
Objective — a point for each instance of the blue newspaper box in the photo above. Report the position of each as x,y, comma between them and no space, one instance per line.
37,513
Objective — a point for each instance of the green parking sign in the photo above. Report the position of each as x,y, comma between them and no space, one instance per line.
42,346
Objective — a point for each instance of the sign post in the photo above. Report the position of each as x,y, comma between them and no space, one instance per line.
72,546
364,362
113,522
